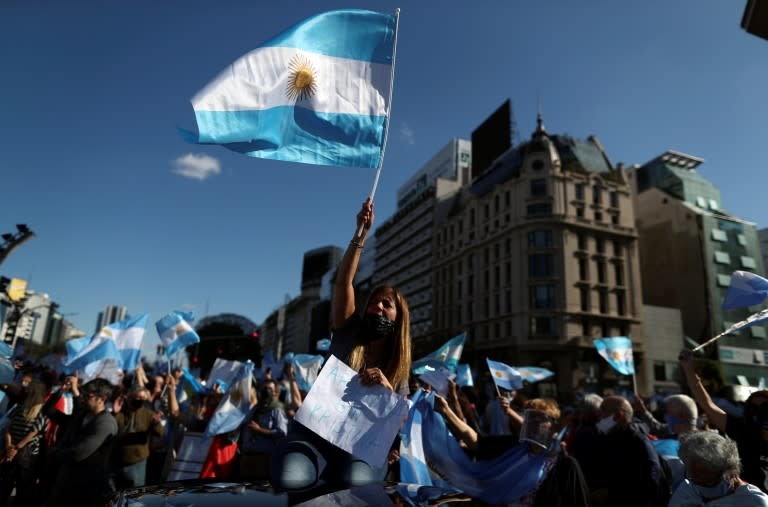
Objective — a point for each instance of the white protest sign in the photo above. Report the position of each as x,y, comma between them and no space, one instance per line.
362,420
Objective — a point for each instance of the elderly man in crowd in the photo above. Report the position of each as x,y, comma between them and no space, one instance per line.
712,467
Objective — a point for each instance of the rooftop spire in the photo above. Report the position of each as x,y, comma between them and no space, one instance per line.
539,120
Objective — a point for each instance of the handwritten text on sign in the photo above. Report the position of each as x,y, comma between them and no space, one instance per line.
362,420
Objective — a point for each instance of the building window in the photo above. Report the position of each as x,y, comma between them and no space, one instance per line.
580,191
621,307
701,202
748,262
724,280
742,239
719,235
507,199
507,246
603,298
600,265
471,218
614,199
597,195
713,205
542,296
618,271
540,265
582,240
659,371
471,311
598,216
579,212
758,332
508,272
540,239
539,209
542,326
586,328
539,187
722,258
583,269
486,212
600,245
615,219
617,250
495,204
584,297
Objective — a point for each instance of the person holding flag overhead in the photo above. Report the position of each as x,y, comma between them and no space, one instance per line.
377,344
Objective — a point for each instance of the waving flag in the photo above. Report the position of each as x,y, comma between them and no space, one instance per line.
534,373
435,453
617,351
120,341
235,406
504,376
5,350
317,93
746,289
323,344
447,356
176,332
464,376
305,369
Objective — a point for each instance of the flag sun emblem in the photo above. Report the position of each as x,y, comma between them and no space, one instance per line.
302,80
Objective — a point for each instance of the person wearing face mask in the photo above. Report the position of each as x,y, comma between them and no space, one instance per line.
630,472
712,474
377,344
136,422
750,431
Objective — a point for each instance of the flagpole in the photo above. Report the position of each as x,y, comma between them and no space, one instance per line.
389,116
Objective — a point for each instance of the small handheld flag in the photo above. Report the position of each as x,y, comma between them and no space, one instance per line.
176,332
617,350
746,289
534,373
464,376
504,376
447,356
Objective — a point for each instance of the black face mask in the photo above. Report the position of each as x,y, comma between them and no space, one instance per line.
136,404
376,327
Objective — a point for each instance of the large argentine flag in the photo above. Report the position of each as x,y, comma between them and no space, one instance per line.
317,93
235,405
176,332
746,289
617,350
120,341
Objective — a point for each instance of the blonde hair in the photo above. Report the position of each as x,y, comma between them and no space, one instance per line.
398,367
546,405
34,401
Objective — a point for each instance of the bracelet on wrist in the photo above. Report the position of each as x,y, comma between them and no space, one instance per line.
356,244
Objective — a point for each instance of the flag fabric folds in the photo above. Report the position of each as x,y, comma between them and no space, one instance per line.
317,93
502,480
755,318
534,373
447,356
464,376
176,332
5,350
323,344
617,350
504,376
305,369
120,341
235,406
746,289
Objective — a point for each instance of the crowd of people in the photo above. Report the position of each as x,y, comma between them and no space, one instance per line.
71,443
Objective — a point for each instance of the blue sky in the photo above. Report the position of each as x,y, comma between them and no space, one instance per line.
92,91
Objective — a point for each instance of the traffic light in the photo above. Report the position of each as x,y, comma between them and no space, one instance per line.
255,335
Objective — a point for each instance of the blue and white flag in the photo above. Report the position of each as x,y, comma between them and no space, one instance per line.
235,406
120,341
5,350
617,350
504,376
447,356
761,384
176,332
534,374
746,289
268,362
318,93
441,460
464,376
305,369
323,344
755,318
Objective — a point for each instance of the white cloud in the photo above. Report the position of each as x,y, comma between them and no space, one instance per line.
407,133
196,166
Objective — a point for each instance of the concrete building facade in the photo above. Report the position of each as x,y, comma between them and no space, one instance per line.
537,258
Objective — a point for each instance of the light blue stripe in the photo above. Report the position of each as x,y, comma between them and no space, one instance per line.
140,321
348,33
295,134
